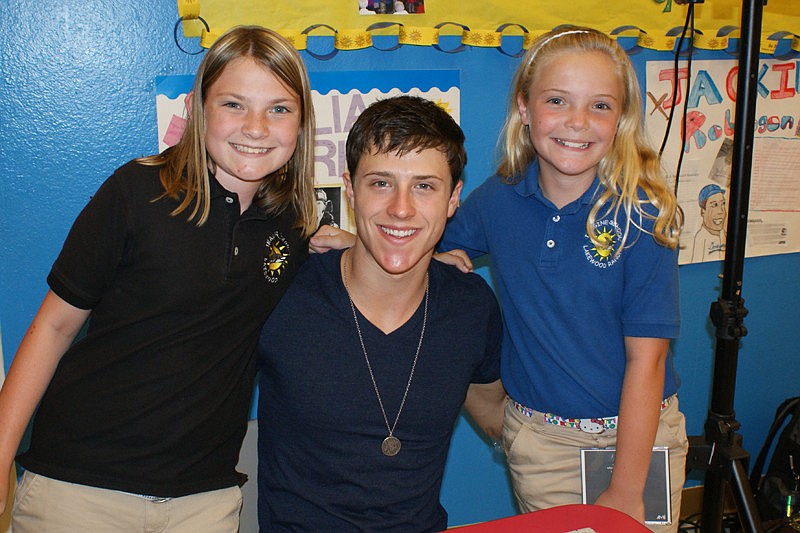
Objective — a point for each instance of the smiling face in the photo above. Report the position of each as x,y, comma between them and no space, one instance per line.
401,205
572,109
252,124
714,213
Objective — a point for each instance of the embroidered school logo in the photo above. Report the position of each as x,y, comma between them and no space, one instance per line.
603,255
277,255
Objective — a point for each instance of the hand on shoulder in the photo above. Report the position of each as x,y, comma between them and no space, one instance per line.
328,238
457,258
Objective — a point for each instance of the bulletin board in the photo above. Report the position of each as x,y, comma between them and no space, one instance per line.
643,24
485,23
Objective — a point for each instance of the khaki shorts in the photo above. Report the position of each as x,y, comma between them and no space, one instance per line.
45,505
544,459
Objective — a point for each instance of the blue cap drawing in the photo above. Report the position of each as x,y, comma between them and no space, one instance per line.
708,191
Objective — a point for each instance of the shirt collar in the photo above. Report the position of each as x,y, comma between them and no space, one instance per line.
529,186
217,191
216,188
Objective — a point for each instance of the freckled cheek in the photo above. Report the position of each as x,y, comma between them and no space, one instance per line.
291,135
218,130
610,127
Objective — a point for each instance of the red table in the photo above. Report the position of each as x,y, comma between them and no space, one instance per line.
562,519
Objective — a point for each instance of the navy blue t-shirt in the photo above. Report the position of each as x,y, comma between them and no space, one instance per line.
320,424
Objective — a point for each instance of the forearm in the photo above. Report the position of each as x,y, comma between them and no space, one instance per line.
485,403
639,411
48,337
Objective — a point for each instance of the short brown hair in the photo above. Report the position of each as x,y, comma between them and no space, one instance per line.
402,124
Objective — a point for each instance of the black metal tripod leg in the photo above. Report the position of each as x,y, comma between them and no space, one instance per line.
713,502
745,502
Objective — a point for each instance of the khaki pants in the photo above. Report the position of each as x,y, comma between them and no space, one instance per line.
544,459
5,517
44,505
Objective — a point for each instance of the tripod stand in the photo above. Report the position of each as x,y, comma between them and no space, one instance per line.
719,451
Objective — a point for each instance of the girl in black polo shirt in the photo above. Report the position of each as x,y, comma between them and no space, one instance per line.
175,263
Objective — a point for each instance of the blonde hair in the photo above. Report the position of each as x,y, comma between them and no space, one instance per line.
184,169
630,164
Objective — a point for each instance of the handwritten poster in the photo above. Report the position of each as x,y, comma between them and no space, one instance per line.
704,181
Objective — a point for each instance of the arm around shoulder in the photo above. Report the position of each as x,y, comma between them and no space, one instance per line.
49,336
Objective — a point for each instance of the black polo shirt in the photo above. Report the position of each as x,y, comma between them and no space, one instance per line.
154,399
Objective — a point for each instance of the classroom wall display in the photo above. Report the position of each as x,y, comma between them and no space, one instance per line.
704,180
482,23
88,83
339,98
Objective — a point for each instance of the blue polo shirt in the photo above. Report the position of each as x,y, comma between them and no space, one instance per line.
567,306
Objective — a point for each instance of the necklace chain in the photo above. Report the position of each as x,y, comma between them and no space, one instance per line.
389,428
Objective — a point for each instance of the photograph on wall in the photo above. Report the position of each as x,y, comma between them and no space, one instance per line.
704,181
329,203
339,98
391,7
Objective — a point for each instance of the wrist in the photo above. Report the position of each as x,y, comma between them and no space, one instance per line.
625,488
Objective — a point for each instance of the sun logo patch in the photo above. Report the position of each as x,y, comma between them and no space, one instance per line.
602,254
276,257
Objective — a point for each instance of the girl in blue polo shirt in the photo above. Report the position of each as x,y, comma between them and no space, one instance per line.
175,262
582,232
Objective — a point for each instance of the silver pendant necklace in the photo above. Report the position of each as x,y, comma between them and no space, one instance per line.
391,444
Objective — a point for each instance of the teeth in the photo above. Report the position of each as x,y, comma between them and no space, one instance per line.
399,232
250,150
570,144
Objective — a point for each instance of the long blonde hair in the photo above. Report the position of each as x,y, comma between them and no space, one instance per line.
184,169
631,163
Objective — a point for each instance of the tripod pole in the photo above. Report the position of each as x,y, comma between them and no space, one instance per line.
726,458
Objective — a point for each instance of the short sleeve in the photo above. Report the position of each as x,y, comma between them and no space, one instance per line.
489,369
651,300
466,230
93,249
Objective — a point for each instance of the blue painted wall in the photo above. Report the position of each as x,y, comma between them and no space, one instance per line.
77,100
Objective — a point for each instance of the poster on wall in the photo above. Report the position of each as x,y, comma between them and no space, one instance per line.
339,98
704,181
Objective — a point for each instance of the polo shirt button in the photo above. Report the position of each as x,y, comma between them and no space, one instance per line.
229,199
235,250
551,243
556,218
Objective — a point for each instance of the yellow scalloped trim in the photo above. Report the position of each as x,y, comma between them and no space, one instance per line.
208,38
357,39
481,38
193,28
189,9
710,41
532,35
352,39
418,35
662,43
297,39
768,46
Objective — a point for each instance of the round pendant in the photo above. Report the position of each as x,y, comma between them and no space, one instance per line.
390,446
